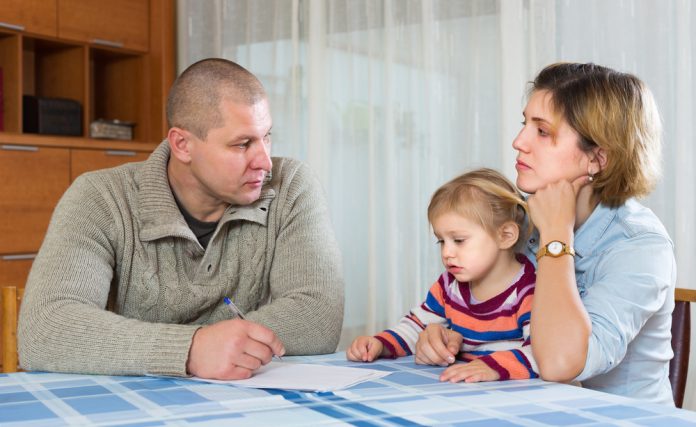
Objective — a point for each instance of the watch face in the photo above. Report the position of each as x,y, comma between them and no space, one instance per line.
555,248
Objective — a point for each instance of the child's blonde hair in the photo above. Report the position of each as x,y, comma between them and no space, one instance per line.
486,197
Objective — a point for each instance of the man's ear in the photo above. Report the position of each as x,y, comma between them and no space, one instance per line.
508,234
179,144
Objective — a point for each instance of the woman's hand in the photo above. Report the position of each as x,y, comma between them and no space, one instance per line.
552,209
437,345
472,372
365,349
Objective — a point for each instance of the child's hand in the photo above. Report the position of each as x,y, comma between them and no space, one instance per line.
364,349
472,372
437,345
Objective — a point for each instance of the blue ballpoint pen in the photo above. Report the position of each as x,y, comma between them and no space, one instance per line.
237,312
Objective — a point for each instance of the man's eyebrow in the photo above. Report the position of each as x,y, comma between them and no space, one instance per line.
249,137
242,137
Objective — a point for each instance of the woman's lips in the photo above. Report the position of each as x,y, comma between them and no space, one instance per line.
521,165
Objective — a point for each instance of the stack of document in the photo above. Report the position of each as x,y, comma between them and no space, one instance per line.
304,377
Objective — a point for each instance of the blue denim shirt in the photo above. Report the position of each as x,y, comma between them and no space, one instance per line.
625,272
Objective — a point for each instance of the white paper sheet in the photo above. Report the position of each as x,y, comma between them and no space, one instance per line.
304,377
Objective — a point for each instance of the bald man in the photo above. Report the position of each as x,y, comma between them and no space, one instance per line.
133,271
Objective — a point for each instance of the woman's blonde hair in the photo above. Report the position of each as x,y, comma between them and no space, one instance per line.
484,196
612,110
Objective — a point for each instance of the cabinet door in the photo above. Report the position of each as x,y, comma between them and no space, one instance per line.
32,16
33,179
88,160
116,23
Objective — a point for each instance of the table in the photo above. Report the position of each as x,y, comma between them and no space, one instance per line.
410,395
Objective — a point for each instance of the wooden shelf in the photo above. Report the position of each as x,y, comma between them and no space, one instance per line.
126,83
28,139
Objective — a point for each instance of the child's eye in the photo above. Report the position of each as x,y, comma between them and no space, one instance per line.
459,241
439,242
542,132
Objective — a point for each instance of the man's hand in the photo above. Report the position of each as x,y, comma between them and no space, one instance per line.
437,345
472,372
365,349
231,350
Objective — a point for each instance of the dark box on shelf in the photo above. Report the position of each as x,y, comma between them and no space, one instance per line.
52,116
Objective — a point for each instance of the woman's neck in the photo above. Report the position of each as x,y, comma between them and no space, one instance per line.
585,204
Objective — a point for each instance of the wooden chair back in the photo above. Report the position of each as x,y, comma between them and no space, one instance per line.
681,342
10,299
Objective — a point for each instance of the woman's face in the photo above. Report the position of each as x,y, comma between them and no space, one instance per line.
548,148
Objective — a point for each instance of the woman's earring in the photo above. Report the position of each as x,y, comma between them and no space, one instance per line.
590,178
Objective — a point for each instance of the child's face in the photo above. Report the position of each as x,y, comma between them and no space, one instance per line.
468,251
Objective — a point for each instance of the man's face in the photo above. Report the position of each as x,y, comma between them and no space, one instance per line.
231,164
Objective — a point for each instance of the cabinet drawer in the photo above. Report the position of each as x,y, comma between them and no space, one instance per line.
82,161
32,16
115,23
33,180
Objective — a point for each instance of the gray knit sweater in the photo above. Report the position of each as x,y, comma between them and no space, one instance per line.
121,284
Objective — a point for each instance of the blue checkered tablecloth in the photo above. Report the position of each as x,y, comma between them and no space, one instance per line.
410,395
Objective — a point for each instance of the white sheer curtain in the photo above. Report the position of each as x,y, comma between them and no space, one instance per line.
387,99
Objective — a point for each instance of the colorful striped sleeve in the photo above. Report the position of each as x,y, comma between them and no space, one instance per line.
401,339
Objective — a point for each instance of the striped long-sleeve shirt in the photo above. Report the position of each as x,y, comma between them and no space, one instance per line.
495,331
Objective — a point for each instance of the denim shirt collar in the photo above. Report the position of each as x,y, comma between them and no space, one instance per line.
589,234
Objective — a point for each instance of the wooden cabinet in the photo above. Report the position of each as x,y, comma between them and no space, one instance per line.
33,179
128,83
82,161
10,58
32,16
114,23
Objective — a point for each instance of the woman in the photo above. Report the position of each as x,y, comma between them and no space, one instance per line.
589,145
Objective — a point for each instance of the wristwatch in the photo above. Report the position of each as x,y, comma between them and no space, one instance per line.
555,249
